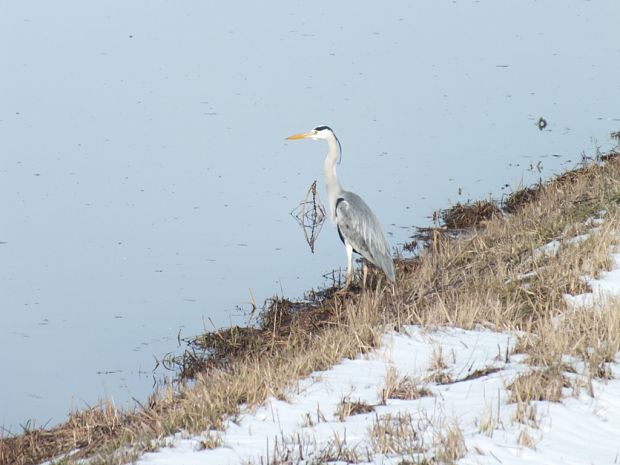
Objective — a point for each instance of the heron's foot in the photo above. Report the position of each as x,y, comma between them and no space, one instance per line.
346,290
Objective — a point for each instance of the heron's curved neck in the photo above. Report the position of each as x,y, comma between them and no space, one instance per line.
331,180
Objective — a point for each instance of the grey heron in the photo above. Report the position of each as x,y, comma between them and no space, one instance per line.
358,227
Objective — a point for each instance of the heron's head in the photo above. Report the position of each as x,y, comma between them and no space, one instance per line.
324,133
320,132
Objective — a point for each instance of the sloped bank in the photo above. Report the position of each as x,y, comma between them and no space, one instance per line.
488,275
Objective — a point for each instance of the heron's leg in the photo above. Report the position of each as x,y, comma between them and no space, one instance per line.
365,270
349,248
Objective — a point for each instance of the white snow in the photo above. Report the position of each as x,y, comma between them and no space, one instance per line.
605,286
580,430
310,413
306,428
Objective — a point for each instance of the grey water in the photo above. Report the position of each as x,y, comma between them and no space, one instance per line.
146,186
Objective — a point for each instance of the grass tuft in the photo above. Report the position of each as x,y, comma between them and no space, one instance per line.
396,435
544,384
468,215
450,444
347,408
402,387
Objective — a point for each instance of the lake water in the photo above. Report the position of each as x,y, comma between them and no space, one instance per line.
145,183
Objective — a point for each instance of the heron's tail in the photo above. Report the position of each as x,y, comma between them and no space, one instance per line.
386,263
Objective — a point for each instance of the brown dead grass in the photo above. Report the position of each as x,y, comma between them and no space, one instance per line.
211,440
450,444
83,429
463,216
348,407
396,434
538,385
526,440
494,276
402,387
520,198
526,413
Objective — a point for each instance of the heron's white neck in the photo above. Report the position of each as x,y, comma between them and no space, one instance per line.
331,180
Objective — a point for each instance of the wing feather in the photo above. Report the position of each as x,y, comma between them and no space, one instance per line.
359,226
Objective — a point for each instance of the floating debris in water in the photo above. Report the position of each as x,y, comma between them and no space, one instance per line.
536,166
310,215
541,123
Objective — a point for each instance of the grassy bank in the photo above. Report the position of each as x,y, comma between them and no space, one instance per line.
492,267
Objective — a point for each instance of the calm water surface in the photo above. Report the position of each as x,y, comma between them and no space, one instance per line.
145,184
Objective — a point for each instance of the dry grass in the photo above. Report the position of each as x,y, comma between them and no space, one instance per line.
300,450
347,408
438,368
463,216
493,275
419,438
402,387
525,439
544,384
488,423
397,435
83,429
526,413
338,451
520,198
211,440
450,444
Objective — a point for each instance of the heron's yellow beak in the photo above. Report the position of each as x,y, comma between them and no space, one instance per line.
297,136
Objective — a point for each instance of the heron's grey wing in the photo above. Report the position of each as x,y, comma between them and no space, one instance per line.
359,226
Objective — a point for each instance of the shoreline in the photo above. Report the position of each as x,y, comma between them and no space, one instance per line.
294,339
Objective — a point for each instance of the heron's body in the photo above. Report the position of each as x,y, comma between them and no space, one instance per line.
358,227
